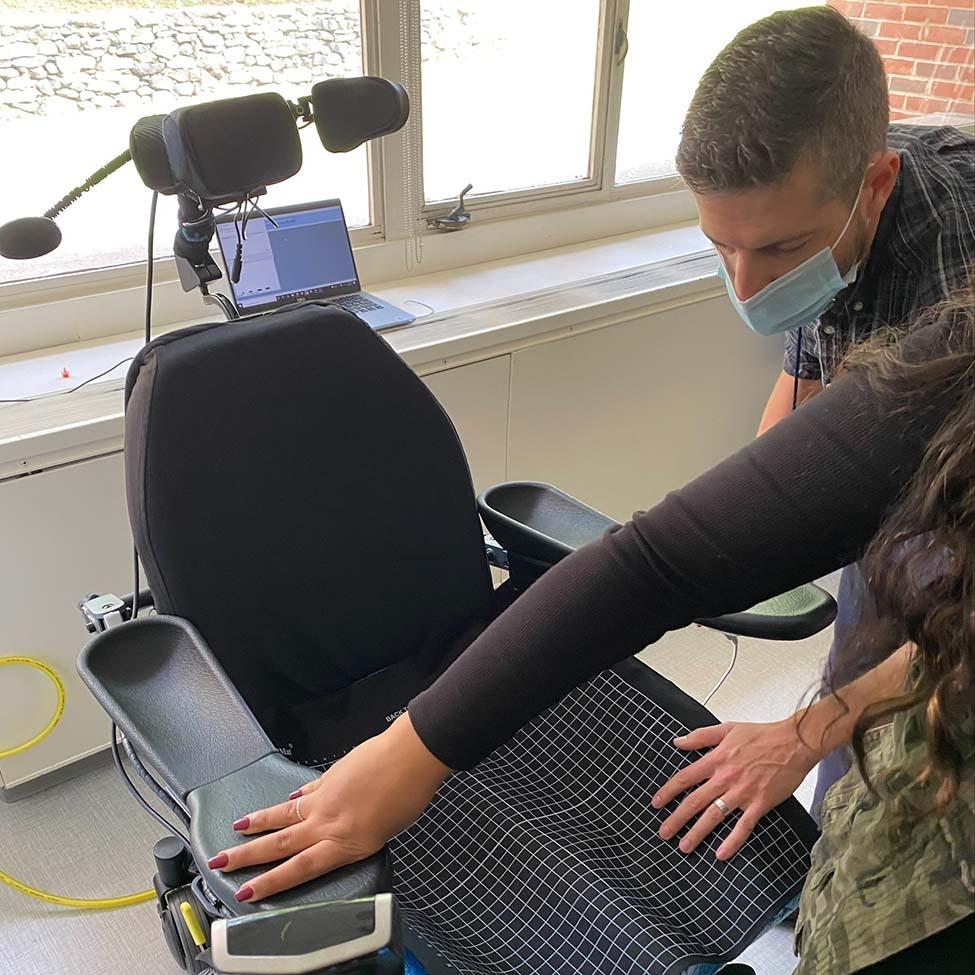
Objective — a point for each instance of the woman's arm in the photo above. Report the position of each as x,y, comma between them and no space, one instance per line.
800,501
754,767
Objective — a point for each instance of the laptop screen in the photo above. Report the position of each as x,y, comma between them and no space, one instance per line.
307,255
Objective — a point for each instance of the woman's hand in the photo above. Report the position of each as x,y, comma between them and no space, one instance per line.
363,800
752,767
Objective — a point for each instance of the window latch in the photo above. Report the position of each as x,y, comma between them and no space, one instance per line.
457,219
621,43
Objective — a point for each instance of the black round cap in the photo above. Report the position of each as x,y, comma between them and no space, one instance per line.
28,237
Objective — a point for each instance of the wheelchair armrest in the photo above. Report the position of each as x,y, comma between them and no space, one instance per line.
159,682
295,940
793,615
538,525
162,686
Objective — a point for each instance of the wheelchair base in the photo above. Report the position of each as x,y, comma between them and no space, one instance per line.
189,921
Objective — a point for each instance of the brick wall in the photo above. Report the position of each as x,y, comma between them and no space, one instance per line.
928,47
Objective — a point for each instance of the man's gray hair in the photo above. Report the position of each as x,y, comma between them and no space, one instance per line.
798,84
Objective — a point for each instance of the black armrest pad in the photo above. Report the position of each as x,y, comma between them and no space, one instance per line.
538,525
268,781
793,615
539,522
161,685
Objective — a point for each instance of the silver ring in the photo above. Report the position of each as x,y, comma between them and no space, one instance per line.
301,818
722,805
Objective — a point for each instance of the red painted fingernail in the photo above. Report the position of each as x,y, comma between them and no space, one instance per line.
218,862
295,794
242,823
244,894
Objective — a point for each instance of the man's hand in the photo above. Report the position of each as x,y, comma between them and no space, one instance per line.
752,767
363,800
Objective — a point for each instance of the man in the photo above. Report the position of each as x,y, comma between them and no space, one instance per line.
830,223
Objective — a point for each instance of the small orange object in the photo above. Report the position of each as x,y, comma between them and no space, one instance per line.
65,374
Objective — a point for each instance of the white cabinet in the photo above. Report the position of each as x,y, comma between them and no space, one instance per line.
476,399
63,533
621,415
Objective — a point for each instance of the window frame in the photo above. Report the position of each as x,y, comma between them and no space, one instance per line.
394,217
91,281
600,186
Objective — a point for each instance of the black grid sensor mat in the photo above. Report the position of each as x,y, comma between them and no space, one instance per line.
544,859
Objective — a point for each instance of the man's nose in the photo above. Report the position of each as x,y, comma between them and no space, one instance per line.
749,277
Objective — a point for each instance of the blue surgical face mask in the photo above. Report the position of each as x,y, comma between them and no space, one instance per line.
798,297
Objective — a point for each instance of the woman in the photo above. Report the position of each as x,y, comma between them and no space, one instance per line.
767,519
896,862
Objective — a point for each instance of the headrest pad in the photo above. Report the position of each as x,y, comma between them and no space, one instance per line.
350,111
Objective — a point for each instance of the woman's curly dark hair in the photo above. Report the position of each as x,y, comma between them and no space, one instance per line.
920,567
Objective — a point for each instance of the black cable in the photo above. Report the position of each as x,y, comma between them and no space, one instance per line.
135,584
239,255
148,322
156,787
240,238
74,389
130,785
148,338
248,210
266,216
152,234
143,772
795,378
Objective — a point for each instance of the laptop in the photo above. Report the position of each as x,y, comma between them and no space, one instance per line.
306,257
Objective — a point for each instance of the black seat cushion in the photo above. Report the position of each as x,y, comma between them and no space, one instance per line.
298,494
545,860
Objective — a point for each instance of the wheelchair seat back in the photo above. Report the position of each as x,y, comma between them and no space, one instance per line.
300,497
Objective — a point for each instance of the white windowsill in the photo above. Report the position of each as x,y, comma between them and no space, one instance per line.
479,312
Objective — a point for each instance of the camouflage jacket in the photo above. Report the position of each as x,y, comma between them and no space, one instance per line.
879,881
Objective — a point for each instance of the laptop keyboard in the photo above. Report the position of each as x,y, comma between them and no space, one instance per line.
356,303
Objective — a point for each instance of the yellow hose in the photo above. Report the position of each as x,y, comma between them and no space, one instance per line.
87,903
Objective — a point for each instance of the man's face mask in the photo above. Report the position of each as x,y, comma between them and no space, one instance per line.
798,297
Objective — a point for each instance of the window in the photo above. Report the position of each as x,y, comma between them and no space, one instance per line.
507,94
543,105
670,46
74,79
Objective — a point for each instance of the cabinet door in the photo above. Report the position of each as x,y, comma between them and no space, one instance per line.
476,399
621,415
64,533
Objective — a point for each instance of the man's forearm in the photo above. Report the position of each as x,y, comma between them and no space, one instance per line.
779,404
829,723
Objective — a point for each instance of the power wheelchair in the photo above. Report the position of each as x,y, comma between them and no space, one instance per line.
305,517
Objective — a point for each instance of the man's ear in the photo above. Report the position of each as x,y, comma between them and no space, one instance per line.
879,183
